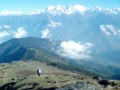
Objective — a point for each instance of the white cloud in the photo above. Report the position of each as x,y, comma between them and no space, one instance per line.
103,28
109,29
4,34
6,12
34,12
6,26
20,33
46,34
118,31
54,24
75,50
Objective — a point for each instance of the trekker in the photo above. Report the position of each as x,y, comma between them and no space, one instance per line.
39,71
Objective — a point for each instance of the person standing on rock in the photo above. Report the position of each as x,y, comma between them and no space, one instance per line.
39,71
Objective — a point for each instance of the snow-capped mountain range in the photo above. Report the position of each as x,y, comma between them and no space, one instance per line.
91,34
57,10
83,30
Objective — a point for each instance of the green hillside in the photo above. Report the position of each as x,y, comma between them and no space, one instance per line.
38,49
22,76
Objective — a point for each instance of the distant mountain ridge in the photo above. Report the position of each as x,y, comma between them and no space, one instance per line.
36,49
95,25
80,35
44,50
59,9
18,47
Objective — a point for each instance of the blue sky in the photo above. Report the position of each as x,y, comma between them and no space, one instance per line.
30,5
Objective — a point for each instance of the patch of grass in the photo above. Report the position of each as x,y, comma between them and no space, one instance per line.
24,73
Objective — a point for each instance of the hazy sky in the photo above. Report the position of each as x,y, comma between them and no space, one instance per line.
29,5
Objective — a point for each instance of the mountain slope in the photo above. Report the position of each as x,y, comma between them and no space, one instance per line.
15,49
32,48
44,50
22,75
97,26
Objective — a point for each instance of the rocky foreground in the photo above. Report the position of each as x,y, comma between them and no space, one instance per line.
22,76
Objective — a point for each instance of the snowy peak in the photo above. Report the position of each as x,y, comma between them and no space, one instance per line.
66,10
57,10
79,9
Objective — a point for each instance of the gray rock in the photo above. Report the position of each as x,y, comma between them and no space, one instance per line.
78,86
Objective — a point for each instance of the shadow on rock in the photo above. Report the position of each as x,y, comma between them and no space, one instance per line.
8,86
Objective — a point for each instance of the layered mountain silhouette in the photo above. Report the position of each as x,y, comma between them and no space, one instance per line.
45,50
83,41
94,31
15,49
36,49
